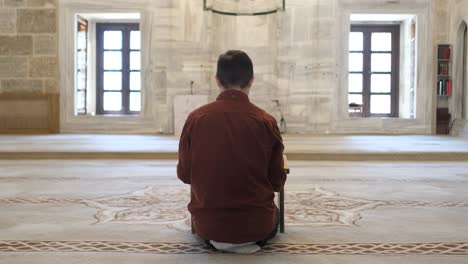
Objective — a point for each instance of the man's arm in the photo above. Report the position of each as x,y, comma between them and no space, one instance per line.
277,173
183,167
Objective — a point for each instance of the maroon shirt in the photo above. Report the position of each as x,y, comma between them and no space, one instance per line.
231,153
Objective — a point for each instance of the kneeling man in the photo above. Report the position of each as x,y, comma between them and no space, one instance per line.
231,153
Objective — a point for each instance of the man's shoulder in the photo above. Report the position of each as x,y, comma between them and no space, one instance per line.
204,109
217,106
261,113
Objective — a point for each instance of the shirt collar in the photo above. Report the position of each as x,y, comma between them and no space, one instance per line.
234,95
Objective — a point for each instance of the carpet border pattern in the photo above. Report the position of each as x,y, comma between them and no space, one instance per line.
440,248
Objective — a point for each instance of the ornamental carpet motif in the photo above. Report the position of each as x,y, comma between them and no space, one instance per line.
168,207
303,207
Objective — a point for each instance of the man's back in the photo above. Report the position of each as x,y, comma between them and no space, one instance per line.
231,154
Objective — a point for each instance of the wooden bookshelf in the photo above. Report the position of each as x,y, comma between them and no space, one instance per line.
443,121
443,88
444,78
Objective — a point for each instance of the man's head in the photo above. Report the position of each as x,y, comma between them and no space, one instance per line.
235,71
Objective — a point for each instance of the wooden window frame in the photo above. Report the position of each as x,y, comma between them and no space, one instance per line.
82,28
367,30
126,28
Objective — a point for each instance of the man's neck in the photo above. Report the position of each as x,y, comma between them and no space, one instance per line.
237,88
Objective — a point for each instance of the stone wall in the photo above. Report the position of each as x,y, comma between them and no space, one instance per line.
298,55
308,60
457,17
28,48
185,45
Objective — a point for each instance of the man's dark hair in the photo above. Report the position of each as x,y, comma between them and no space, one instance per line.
235,68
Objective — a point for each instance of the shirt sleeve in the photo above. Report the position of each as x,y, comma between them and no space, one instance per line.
183,167
277,173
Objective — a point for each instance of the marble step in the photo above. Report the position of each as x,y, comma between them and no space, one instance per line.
298,147
293,155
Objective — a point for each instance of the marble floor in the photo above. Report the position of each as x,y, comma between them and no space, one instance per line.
351,148
124,211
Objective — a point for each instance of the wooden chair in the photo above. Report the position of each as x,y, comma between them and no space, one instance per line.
280,200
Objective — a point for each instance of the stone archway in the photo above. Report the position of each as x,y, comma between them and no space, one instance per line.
460,78
460,92
464,36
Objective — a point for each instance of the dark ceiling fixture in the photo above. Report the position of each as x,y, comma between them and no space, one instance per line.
208,8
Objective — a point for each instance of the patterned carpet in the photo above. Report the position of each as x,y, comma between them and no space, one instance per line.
157,206
304,207
344,211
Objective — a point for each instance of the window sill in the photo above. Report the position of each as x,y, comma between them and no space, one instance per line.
379,118
108,116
